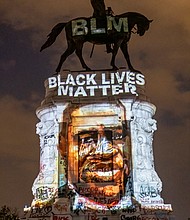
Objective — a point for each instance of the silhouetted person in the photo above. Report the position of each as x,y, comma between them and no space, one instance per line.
99,8
100,11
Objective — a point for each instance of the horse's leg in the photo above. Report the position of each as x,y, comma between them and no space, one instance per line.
79,46
114,53
124,49
71,48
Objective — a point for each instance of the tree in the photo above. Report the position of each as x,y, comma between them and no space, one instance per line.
6,213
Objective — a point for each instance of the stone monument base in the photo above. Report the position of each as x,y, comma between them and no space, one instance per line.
96,155
61,210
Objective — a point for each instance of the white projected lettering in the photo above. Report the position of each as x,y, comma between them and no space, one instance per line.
91,84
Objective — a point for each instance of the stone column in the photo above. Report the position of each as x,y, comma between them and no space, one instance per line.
46,184
146,183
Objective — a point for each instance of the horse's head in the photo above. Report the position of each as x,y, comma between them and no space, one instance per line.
143,26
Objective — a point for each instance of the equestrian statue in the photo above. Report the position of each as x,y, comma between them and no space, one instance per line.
102,29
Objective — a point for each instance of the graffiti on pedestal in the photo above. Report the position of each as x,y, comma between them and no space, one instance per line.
147,190
43,193
45,185
62,207
38,212
148,183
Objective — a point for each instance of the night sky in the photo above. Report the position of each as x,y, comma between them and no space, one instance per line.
162,55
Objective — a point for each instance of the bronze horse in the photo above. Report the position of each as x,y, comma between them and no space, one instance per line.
119,39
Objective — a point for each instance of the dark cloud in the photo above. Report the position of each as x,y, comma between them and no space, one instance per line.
169,118
20,65
183,82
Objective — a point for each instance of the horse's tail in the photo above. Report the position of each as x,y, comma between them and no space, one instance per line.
53,35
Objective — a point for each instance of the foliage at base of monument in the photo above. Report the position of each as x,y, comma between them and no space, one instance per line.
7,213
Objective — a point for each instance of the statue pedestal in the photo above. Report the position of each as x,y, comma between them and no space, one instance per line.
96,154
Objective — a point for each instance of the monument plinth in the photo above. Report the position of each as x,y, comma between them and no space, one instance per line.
96,149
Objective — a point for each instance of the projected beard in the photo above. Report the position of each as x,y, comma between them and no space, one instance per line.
99,159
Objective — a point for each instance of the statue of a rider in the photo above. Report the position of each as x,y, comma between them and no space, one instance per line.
99,8
101,12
